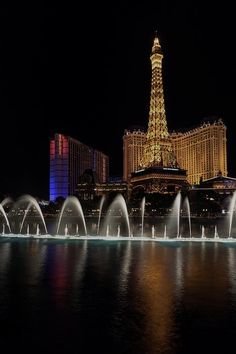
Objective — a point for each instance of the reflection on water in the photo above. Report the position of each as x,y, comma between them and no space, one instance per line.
122,296
232,272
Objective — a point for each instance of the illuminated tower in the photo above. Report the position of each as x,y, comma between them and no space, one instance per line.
159,171
158,148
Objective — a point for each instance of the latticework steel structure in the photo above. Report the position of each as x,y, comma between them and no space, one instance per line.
158,148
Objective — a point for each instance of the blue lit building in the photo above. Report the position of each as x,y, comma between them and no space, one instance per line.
69,158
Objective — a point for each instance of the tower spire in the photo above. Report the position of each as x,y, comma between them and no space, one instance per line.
158,148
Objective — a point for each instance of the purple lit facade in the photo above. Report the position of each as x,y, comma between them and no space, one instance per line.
69,158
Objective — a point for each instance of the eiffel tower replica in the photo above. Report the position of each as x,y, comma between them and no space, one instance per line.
159,171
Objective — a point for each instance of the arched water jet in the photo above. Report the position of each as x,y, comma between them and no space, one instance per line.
142,214
231,212
118,204
5,216
32,202
100,212
74,201
6,201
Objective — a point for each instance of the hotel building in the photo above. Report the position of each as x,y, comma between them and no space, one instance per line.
133,147
69,158
202,151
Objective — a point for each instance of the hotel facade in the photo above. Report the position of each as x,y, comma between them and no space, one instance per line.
133,147
69,158
201,151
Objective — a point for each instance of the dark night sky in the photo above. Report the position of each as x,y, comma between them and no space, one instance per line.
86,73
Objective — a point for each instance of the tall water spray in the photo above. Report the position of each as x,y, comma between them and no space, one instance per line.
142,213
100,212
175,214
153,231
186,206
203,232
165,235
73,201
216,233
231,211
118,231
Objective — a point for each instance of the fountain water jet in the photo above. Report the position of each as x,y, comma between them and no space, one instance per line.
142,213
175,214
216,233
203,232
37,230
118,204
5,217
100,212
118,231
74,201
231,212
77,229
6,200
32,202
164,235
186,206
153,231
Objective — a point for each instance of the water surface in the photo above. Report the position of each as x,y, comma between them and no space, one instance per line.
117,297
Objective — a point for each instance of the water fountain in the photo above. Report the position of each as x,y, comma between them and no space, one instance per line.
216,236
116,223
164,235
203,236
231,212
37,230
186,206
73,202
31,202
118,231
100,213
153,231
142,214
77,230
117,209
6,201
174,218
2,211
